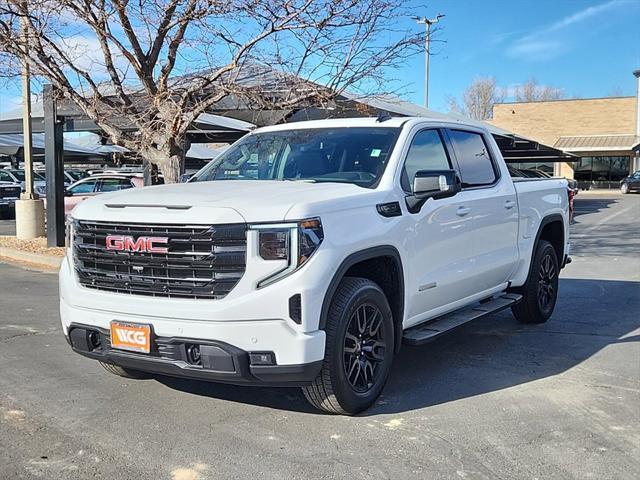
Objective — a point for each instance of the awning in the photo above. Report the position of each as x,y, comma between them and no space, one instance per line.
599,143
11,143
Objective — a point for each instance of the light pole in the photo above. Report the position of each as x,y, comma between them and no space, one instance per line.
427,24
29,209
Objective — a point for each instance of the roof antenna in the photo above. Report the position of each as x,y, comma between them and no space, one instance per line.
383,116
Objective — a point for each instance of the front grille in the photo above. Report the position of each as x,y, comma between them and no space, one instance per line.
10,192
200,262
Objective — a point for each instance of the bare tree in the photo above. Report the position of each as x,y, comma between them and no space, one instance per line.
532,91
478,99
145,70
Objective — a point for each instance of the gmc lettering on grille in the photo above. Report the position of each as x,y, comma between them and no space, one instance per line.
126,243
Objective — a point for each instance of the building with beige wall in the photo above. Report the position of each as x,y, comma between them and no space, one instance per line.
603,132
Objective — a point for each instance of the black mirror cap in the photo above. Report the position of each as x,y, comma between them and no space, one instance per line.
436,184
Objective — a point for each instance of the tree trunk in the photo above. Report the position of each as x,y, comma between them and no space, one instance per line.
171,168
169,160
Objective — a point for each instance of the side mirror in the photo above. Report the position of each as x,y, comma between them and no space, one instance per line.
435,184
67,193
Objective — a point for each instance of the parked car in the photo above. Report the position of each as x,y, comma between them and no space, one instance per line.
9,193
97,184
631,183
69,176
18,176
307,253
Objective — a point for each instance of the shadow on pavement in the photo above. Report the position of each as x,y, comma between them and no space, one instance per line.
485,356
592,204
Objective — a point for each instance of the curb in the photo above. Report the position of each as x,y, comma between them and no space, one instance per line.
47,261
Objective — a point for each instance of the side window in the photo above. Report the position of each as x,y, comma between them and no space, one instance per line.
84,187
476,166
426,152
114,184
5,177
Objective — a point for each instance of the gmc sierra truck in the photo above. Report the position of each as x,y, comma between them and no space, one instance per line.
308,253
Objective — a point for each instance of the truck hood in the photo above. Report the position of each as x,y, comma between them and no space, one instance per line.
216,201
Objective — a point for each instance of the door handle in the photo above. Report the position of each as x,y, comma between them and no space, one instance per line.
509,204
462,211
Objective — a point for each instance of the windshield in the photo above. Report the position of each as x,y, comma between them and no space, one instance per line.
345,155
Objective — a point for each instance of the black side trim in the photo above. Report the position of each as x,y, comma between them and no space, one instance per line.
357,257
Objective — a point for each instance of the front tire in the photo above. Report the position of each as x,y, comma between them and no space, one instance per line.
541,290
624,188
358,352
125,372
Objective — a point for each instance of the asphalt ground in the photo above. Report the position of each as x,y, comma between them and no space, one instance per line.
493,400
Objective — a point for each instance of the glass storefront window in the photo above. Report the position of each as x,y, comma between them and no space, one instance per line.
601,171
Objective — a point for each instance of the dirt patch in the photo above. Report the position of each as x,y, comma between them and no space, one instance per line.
37,245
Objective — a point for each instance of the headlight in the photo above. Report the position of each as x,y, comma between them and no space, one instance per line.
293,242
70,227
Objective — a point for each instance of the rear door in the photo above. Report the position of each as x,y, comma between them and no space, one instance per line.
492,197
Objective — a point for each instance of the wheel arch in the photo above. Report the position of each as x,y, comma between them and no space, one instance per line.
551,228
372,263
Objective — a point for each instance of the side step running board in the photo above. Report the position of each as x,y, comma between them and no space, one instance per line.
428,331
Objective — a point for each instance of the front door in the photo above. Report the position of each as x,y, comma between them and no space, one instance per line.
439,235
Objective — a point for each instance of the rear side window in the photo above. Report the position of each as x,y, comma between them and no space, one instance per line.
114,184
476,166
425,153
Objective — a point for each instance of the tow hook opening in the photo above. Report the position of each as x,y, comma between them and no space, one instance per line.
193,354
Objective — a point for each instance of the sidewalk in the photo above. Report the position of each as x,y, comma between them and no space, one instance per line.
32,253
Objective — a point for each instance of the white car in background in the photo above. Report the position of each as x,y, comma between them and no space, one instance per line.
97,184
18,176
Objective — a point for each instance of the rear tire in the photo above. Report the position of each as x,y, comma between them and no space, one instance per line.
541,290
358,352
624,188
125,372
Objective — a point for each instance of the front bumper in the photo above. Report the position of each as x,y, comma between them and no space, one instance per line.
7,202
217,362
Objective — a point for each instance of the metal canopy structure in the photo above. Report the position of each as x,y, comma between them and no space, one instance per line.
206,128
514,148
12,144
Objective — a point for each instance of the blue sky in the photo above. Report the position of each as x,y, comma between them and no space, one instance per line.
587,48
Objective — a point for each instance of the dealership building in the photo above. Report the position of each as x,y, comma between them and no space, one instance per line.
603,133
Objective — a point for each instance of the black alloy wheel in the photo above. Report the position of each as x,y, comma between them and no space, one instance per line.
364,348
546,282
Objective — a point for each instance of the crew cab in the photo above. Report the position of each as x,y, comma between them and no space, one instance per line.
308,253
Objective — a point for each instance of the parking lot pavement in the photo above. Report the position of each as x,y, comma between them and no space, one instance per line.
492,400
7,226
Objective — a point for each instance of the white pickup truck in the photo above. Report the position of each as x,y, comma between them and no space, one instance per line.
308,253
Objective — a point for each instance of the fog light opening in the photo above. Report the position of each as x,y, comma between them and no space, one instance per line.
262,358
94,339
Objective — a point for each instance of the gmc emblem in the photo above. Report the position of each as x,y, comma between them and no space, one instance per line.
126,243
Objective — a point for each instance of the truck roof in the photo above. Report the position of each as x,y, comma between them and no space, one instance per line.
360,122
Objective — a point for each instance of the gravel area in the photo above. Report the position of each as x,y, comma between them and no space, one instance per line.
37,245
